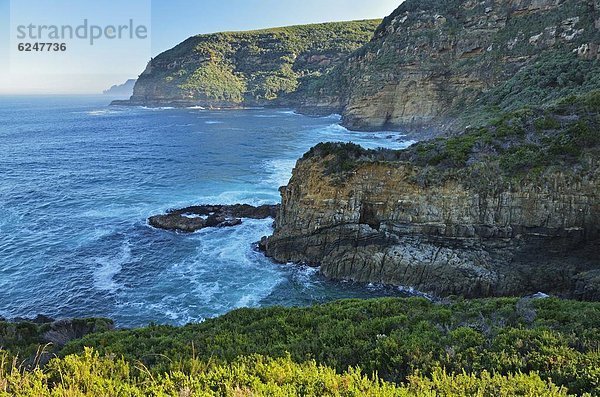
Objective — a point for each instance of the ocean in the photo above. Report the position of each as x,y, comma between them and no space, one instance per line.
80,178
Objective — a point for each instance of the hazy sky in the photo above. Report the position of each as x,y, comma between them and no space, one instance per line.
170,23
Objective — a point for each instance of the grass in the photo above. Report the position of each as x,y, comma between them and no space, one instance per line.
515,143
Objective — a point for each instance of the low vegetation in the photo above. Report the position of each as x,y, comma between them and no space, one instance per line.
253,67
91,375
513,144
389,346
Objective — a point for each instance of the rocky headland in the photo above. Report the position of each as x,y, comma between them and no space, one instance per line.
433,66
245,69
505,204
121,90
432,62
509,209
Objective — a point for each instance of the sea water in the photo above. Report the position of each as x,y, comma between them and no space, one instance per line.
80,178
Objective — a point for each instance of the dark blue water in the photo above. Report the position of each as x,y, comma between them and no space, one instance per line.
79,179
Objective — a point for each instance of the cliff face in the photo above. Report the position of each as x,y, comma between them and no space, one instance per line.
431,60
380,226
447,221
431,64
248,68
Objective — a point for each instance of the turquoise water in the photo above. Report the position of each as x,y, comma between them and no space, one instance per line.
79,180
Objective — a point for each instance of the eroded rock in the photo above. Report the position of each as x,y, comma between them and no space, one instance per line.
379,224
192,219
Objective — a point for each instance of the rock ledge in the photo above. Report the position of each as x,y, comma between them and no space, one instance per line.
192,219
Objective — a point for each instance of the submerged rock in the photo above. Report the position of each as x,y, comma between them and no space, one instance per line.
192,219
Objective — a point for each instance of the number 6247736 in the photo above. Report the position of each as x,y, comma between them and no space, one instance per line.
39,47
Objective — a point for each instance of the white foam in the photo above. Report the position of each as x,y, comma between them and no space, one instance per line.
289,112
370,140
159,108
213,122
279,171
305,275
107,267
194,216
334,116
414,292
227,252
255,197
103,112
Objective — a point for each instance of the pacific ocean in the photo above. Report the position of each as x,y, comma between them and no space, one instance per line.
80,178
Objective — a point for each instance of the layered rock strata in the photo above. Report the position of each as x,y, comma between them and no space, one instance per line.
381,226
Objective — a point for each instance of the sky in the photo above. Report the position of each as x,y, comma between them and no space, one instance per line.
83,68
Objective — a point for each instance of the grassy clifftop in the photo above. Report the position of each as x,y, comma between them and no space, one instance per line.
563,135
532,346
255,67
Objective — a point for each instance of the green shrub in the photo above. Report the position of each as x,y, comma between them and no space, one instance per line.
89,374
396,338
216,81
547,123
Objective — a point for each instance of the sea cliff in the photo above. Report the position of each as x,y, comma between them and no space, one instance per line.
429,66
509,209
432,63
241,69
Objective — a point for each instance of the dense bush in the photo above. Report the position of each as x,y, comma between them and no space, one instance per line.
215,81
553,76
513,144
397,338
260,65
91,375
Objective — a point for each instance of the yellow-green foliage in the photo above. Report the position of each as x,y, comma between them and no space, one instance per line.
216,81
88,374
395,338
259,65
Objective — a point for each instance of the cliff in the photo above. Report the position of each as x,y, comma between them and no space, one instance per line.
122,90
509,209
430,65
252,68
439,64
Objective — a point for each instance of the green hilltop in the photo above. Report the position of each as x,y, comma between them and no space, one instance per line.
249,68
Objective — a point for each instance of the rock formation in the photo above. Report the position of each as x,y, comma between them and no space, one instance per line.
430,61
192,219
488,213
255,68
121,90
431,65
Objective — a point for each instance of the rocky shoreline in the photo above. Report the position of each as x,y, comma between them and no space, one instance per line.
192,219
446,230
